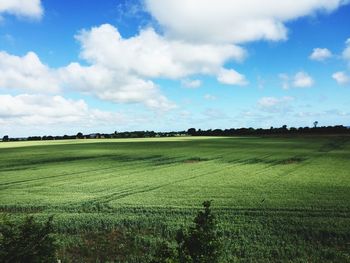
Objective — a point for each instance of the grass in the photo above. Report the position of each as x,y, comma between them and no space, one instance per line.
276,199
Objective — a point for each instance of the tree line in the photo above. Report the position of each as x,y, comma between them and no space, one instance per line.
284,130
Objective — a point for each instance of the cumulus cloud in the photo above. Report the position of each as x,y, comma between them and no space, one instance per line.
123,69
320,54
300,80
151,55
233,21
341,78
22,8
28,110
231,77
111,85
27,73
28,105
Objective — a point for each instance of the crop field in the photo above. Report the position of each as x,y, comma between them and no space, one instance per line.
275,198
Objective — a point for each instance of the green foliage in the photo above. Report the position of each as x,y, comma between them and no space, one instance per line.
288,197
165,253
116,245
80,135
201,243
29,242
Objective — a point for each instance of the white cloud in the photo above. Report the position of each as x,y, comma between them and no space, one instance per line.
346,52
273,101
44,111
22,8
122,69
302,80
209,97
29,114
231,77
192,84
233,21
273,104
55,107
27,73
151,55
320,54
112,85
341,78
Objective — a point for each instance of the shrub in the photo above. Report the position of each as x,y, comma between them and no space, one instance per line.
28,242
200,243
165,253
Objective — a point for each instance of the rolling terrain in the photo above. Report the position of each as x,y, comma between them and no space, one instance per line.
276,198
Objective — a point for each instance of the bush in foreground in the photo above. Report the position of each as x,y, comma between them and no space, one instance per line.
200,243
28,242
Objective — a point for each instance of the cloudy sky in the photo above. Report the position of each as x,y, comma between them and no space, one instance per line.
100,66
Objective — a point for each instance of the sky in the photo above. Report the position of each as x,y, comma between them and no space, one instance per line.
123,65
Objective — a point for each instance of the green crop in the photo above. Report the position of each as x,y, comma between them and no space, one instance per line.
276,198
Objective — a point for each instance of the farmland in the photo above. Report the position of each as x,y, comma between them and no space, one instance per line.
276,198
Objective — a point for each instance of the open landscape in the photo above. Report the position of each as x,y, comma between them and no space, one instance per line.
275,198
174,131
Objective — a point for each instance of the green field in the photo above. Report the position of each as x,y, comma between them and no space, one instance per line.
276,199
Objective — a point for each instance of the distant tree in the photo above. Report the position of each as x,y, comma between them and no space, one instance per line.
34,138
5,138
200,243
29,242
217,132
315,124
191,131
80,135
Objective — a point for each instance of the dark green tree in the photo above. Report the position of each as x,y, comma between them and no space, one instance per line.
80,135
201,242
5,138
28,242
191,131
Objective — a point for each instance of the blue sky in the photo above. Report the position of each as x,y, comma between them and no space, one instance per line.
100,66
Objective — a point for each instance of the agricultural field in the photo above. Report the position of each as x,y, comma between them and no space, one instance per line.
275,198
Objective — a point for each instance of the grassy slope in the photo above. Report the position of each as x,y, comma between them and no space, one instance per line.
284,198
